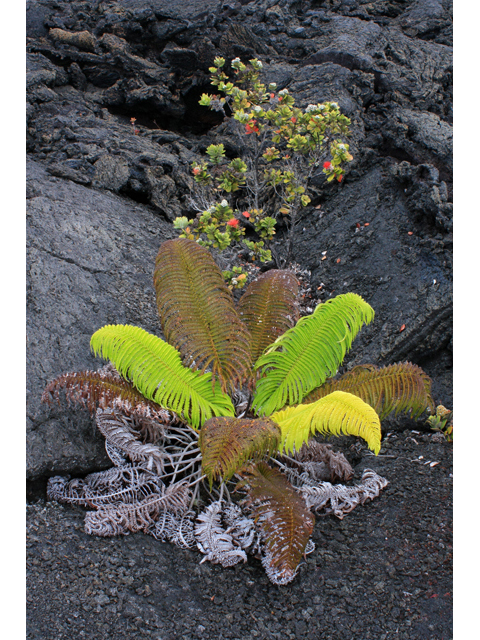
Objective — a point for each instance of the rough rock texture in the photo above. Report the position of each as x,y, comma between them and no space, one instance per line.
102,190
102,193
90,258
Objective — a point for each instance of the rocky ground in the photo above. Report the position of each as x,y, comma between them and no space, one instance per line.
384,571
100,201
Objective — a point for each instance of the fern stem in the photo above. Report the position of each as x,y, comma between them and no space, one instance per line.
199,479
178,471
229,499
281,465
195,493
222,486
182,453
191,463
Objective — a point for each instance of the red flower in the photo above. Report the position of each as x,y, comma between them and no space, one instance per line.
233,223
327,165
293,119
196,171
272,95
246,214
251,126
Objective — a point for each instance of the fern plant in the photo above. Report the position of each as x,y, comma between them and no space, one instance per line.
231,400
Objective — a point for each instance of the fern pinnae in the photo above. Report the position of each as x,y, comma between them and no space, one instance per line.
283,518
306,355
155,368
197,313
335,414
268,307
93,389
399,387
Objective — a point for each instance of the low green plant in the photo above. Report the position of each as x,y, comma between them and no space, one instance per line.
282,147
442,421
234,391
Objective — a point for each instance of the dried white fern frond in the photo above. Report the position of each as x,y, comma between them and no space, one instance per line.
339,499
212,539
121,518
56,487
151,424
240,401
128,483
118,430
241,528
310,548
176,529
115,454
300,479
320,462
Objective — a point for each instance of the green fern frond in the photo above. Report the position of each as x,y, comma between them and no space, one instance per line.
197,312
284,520
336,414
309,353
156,370
93,389
227,443
268,308
399,387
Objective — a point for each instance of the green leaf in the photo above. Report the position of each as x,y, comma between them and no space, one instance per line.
155,368
335,414
309,353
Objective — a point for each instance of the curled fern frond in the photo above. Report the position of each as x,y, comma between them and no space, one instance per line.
309,353
397,387
122,518
118,430
178,529
128,484
319,462
156,370
268,308
339,499
212,539
336,414
227,443
284,520
197,312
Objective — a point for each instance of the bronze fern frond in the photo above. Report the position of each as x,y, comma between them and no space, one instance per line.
227,443
283,518
397,387
269,308
101,389
197,313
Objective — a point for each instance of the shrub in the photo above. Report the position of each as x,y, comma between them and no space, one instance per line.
282,147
